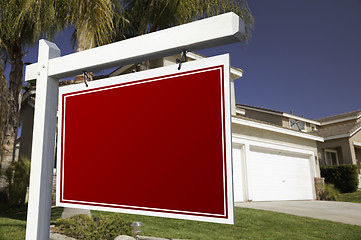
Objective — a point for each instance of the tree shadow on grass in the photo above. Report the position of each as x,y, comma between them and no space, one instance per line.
13,212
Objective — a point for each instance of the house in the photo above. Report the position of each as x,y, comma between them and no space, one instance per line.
342,136
274,155
341,133
272,159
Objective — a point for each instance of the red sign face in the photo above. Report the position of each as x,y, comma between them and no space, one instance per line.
154,143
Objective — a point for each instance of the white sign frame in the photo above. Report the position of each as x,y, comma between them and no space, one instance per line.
155,75
215,31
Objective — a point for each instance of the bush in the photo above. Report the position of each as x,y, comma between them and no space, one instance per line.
17,176
344,177
83,227
329,193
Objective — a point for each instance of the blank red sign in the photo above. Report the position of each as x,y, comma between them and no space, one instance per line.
153,143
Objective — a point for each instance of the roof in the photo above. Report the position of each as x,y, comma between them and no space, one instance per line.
347,129
278,113
340,117
258,108
274,128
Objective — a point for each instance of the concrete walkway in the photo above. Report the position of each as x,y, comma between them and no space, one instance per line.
343,212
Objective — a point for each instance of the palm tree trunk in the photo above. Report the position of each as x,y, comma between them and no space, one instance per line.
14,103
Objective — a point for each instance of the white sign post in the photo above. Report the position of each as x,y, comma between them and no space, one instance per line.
219,30
41,174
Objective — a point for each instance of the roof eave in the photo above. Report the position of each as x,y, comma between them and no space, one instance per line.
276,129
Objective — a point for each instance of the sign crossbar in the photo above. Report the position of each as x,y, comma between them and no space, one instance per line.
215,31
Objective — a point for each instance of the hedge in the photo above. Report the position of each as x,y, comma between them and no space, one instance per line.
344,177
106,227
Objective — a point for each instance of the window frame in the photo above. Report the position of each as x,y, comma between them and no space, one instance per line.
329,161
295,122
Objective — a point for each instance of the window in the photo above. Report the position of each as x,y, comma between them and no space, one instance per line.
297,125
313,127
331,157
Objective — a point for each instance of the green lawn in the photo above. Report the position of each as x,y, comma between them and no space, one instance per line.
13,221
351,197
250,224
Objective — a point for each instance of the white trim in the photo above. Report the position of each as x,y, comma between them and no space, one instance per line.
157,74
276,129
282,146
240,111
341,120
281,114
261,110
354,132
357,144
196,56
330,151
301,119
236,72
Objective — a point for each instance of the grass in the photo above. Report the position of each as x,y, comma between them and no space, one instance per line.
351,197
250,224
13,221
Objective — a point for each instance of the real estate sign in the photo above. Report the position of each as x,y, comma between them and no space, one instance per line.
156,142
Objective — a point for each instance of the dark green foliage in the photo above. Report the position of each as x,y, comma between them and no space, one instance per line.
106,227
344,177
329,193
17,177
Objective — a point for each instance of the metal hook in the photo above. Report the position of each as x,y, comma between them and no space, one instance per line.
183,59
86,77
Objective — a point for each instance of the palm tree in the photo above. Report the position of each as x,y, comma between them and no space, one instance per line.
23,22
17,30
3,105
96,22
145,16
92,21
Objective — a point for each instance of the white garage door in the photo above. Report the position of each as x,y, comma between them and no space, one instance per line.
237,173
279,176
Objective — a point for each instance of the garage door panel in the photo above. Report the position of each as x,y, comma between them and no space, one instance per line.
279,176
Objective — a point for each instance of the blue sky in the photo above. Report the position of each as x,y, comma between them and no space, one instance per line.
304,56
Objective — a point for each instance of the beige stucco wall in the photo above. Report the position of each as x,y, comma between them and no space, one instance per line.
356,137
266,117
344,148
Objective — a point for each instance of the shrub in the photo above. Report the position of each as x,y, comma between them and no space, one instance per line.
83,227
17,176
329,193
344,177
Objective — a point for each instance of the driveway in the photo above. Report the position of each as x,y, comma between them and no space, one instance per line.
344,212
